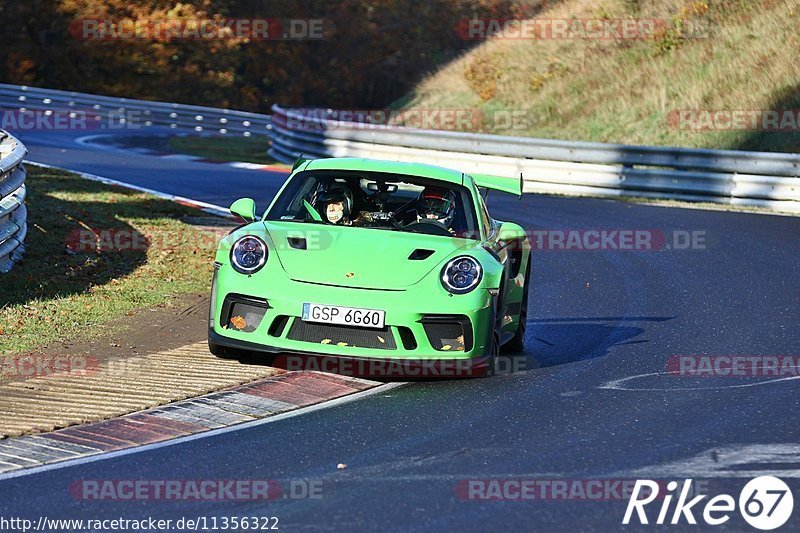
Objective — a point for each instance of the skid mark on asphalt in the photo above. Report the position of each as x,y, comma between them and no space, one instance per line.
544,341
735,461
624,384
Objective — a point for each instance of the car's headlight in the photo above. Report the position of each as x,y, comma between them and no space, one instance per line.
248,255
462,274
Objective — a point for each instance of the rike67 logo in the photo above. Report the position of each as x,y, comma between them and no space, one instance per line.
765,503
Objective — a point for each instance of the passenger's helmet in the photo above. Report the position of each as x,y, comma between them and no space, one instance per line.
436,203
335,194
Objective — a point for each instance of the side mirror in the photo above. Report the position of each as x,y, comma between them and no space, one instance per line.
244,208
511,232
299,161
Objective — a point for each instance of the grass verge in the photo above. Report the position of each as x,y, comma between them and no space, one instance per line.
709,56
229,148
71,283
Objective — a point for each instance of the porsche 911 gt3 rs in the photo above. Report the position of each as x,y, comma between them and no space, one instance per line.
369,259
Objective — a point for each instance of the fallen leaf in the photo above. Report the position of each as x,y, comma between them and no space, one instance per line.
383,341
326,341
446,347
341,344
238,322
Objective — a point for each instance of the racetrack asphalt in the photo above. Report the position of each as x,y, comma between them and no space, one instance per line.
590,399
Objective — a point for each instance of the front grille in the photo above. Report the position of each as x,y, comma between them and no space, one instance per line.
378,339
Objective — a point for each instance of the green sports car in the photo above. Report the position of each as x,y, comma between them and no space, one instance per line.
374,261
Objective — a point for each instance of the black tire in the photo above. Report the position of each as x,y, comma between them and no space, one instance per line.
517,344
220,351
493,351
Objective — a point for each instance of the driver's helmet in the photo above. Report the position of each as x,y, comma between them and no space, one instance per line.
335,204
436,203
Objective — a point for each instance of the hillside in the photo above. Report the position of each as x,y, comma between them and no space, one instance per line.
737,57
242,54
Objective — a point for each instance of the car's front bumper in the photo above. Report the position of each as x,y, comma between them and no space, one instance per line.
409,314
367,367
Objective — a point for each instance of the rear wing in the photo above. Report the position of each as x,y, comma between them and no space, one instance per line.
499,183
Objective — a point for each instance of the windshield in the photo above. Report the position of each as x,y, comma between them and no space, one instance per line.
378,201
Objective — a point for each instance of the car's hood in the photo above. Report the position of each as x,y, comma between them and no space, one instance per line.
358,257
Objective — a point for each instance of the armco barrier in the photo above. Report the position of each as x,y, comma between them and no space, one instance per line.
106,112
12,201
762,179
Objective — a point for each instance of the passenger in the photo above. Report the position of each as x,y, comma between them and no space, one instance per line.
335,205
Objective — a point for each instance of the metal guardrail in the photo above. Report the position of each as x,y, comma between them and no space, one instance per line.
770,180
13,226
111,113
762,179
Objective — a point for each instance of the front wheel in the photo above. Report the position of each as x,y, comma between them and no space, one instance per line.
517,344
220,351
493,353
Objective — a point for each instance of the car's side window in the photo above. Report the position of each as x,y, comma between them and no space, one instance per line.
486,220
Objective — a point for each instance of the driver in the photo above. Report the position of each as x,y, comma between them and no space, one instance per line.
437,203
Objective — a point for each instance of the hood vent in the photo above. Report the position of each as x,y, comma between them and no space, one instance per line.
419,254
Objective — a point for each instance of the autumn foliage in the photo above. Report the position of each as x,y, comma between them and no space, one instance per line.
371,54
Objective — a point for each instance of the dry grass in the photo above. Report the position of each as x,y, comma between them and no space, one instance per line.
64,290
624,90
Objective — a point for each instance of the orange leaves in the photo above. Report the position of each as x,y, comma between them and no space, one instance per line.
238,322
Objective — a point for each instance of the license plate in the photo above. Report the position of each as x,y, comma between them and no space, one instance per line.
346,316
